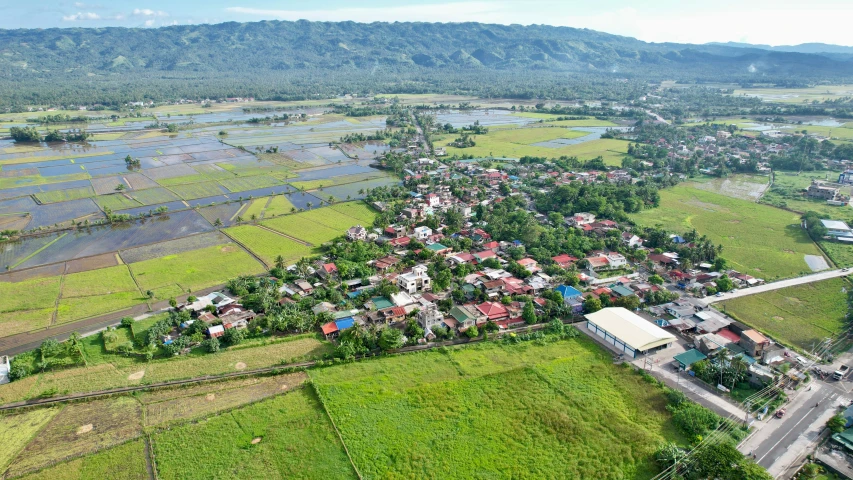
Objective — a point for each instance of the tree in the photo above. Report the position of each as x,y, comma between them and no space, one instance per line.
49,348
127,322
668,454
149,294
173,303
591,305
837,423
212,344
724,283
656,279
120,187
234,336
630,302
217,223
472,332
279,262
390,338
529,313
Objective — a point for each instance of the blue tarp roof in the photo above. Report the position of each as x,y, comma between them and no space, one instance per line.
344,323
568,291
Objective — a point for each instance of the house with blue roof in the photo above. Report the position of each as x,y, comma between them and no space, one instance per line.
572,298
568,291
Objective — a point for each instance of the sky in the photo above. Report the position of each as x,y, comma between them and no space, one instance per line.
772,22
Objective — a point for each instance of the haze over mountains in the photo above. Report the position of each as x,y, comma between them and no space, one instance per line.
345,53
817,48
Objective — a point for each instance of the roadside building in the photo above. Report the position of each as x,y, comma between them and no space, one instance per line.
628,332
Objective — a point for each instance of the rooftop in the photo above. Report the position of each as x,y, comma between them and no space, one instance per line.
629,327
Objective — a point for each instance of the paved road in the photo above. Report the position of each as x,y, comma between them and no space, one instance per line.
767,287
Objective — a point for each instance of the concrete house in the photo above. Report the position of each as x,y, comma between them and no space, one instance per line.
754,343
415,280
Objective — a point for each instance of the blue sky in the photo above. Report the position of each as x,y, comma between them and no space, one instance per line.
774,22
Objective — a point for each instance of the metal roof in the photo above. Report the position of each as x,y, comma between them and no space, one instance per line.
630,328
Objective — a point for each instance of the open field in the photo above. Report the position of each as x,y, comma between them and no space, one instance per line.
195,269
788,188
17,431
759,240
840,253
65,195
798,95
79,429
304,228
798,315
744,187
118,371
268,245
571,413
339,180
357,210
124,462
169,406
551,119
98,282
285,437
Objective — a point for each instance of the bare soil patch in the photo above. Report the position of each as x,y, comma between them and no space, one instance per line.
210,397
256,440
136,375
85,429
240,366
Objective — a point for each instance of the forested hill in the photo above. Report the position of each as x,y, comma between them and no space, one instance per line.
333,54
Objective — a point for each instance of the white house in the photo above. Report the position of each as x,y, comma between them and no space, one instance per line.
616,260
356,233
422,233
415,280
4,369
430,316
580,219
433,200
631,240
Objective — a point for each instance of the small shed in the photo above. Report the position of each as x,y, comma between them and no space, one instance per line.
685,359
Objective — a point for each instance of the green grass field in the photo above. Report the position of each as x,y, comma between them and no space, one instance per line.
116,201
558,410
798,95
268,245
292,437
192,191
12,323
278,205
840,253
17,431
98,282
124,462
757,239
73,309
196,269
304,228
65,195
787,192
34,294
151,196
248,183
551,119
333,181
359,211
798,315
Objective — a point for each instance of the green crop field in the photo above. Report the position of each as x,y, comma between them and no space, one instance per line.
98,282
12,323
116,201
248,183
151,196
359,211
331,218
195,269
558,410
799,315
35,294
192,191
551,119
110,371
65,195
268,245
303,228
285,437
757,239
72,309
17,431
279,205
183,180
79,429
124,462
333,181
256,208
798,95
840,253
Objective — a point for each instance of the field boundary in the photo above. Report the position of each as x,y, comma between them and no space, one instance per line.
41,249
297,240
335,426
246,249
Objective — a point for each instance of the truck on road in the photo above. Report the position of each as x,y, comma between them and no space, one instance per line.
841,372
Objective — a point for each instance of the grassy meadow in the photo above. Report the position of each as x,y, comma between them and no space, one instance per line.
123,462
799,315
558,410
759,240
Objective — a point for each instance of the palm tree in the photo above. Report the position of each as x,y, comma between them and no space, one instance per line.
331,200
239,219
309,205
279,262
217,223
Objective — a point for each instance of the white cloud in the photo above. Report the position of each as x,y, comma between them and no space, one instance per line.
147,12
81,16
149,23
87,6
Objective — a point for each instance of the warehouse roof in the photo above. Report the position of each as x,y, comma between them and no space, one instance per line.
630,328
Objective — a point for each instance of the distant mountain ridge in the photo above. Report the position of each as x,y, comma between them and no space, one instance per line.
817,48
294,59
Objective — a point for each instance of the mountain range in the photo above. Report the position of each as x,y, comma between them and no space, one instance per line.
344,51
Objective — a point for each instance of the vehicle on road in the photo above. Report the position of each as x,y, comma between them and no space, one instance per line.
780,413
841,372
719,294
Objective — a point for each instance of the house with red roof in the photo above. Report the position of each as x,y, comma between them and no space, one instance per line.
327,270
485,254
564,260
529,264
493,311
493,246
399,242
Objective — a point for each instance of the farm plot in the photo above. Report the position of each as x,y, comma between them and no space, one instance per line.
241,184
196,269
17,431
285,437
56,196
77,308
63,212
13,323
359,189
576,415
35,294
799,315
268,245
124,462
106,185
96,292
759,240
359,211
175,405
303,228
79,429
226,213
116,201
337,180
330,218
192,191
174,174
152,196
256,208
173,247
787,192
744,187
278,205
840,253
92,263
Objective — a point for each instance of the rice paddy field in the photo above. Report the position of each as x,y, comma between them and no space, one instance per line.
798,95
744,187
757,239
268,245
109,371
798,316
557,409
